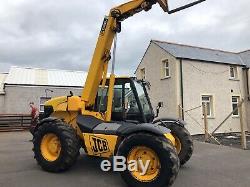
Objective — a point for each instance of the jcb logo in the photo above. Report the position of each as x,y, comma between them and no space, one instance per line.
99,145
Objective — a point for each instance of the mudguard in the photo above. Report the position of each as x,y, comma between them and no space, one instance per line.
49,119
124,129
167,121
156,129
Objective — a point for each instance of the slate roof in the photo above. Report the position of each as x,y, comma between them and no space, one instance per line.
245,56
204,54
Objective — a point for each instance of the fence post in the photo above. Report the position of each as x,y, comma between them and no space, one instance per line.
204,109
243,133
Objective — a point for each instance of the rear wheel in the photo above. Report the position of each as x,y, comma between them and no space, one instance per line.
163,166
56,146
184,142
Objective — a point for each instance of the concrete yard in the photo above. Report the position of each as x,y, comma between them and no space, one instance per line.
211,165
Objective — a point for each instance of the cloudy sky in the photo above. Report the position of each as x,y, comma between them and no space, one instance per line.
62,34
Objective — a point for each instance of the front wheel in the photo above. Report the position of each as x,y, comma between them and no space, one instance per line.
56,146
163,160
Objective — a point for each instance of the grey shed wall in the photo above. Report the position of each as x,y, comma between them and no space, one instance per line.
17,98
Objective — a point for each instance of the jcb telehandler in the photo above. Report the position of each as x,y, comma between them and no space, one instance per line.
113,117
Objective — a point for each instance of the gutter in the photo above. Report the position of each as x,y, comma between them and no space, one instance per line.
42,85
212,62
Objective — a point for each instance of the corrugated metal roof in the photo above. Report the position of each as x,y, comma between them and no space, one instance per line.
197,53
2,79
45,77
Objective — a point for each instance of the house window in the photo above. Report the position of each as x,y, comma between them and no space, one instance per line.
143,73
42,101
235,102
233,72
208,100
165,68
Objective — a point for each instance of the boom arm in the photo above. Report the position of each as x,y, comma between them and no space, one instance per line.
112,25
101,57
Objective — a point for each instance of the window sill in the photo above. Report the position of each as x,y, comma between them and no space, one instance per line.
166,78
209,117
234,79
2,93
236,117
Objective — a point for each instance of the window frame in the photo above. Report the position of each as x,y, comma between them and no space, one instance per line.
143,73
237,103
211,104
43,104
164,68
235,72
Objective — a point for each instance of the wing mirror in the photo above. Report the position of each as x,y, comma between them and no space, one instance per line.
160,104
70,94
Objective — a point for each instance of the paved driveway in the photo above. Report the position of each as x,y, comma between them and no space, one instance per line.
210,165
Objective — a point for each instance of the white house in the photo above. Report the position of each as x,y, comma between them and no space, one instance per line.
187,76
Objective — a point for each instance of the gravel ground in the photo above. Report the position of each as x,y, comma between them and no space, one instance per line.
227,139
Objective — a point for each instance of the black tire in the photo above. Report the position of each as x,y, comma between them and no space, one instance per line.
165,151
186,142
69,146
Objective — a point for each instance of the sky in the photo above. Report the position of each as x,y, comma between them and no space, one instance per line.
61,34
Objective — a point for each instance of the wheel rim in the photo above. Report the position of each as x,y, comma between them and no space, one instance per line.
144,153
177,144
50,147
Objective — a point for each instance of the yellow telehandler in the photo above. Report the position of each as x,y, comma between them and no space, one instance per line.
113,117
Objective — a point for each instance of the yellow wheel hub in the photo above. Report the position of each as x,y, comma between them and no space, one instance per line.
144,154
177,144
50,147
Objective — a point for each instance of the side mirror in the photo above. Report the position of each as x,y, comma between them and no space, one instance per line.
160,104
70,94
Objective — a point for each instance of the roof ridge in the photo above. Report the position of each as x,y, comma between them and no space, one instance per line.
243,51
33,68
185,45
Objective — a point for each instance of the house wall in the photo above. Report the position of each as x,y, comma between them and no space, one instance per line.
17,98
212,79
162,90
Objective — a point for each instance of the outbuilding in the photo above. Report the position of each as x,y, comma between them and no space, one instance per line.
21,86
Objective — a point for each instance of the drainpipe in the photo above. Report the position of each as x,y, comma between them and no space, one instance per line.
247,81
182,98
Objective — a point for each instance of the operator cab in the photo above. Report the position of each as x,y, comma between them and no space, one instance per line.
130,101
